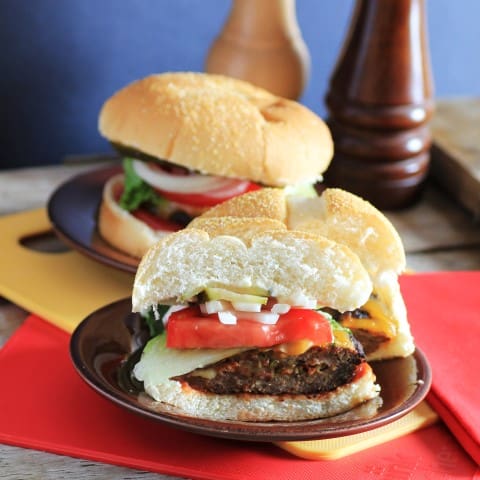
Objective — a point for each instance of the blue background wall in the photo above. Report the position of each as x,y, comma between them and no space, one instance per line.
59,60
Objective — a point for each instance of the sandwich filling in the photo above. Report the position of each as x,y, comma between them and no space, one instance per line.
235,343
167,196
154,190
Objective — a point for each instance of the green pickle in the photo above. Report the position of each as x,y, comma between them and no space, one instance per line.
257,296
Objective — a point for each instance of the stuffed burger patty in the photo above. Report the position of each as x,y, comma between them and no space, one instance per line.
243,331
194,140
303,351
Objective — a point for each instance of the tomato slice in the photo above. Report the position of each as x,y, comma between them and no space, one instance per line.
206,199
154,221
189,329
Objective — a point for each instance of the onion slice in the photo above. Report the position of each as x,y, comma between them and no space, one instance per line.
247,307
213,306
267,318
280,308
192,183
227,318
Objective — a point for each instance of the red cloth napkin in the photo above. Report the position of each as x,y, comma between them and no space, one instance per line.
444,312
45,405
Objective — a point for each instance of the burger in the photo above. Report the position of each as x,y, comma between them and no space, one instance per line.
193,140
241,325
381,323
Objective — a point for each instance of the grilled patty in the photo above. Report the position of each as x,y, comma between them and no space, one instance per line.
370,341
272,372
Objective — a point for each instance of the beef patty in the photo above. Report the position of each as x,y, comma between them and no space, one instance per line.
272,372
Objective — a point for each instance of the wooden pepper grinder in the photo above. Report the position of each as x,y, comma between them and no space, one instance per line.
261,43
380,100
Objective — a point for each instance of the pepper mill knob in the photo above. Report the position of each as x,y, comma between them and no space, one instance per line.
261,43
380,99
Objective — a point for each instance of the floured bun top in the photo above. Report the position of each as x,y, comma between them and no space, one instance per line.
219,125
336,214
287,264
354,222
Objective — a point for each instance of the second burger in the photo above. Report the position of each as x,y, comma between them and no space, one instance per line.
194,140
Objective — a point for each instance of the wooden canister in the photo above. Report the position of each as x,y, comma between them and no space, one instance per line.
380,100
261,42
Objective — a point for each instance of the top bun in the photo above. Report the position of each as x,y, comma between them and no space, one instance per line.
287,264
219,125
336,214
354,222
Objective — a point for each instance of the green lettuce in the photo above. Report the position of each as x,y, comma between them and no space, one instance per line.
155,322
136,192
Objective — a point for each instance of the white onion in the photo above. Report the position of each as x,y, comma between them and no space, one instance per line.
234,188
308,304
268,318
247,307
192,183
227,318
280,308
172,309
213,306
299,300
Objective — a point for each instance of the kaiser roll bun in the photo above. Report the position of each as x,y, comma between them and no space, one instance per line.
219,125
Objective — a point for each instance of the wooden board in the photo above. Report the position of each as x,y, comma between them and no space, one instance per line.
456,151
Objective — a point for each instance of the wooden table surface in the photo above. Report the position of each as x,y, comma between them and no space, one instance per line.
437,234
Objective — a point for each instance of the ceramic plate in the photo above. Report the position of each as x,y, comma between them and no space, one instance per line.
72,210
103,351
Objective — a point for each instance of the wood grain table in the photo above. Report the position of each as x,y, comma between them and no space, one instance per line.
437,233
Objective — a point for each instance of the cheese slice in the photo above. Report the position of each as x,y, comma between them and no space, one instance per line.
296,347
379,321
159,363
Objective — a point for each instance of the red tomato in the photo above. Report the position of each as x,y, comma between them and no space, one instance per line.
154,221
206,199
361,370
189,329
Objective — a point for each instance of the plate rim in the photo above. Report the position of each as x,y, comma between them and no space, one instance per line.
94,178
236,430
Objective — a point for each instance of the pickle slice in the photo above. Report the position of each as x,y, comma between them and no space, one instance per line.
234,297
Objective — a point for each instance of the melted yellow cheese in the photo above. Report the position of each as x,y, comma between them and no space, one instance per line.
296,347
379,321
342,338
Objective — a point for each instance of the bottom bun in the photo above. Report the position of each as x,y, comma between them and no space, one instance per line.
173,397
121,229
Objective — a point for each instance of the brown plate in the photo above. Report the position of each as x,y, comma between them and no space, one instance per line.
73,208
103,351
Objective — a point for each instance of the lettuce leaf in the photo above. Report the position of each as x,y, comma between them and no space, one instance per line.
155,321
136,192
